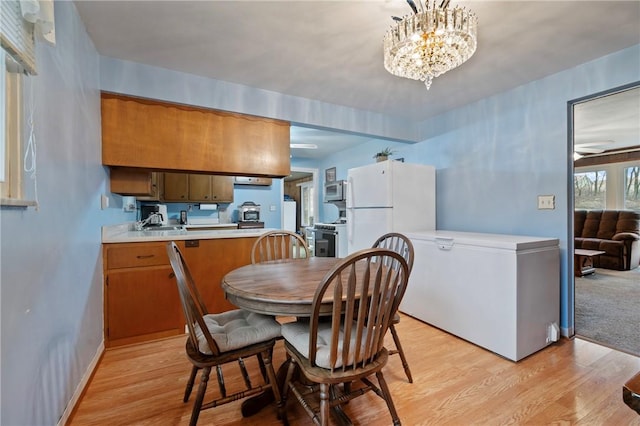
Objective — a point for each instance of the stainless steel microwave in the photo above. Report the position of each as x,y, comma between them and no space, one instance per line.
335,191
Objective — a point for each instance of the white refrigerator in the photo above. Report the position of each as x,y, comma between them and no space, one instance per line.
289,216
389,196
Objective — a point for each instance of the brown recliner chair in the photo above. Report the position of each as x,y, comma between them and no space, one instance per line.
616,232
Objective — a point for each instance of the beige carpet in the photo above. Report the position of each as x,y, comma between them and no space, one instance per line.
607,305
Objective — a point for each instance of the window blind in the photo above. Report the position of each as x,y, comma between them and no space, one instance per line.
16,35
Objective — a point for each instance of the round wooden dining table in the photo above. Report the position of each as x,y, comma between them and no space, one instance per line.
280,287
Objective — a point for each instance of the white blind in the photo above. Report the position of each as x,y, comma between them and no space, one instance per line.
16,35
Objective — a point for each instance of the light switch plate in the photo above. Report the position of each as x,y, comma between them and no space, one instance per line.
546,202
104,202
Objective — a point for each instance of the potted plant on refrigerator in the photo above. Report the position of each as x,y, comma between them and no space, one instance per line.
384,154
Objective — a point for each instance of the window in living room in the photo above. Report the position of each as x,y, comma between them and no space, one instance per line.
632,188
590,190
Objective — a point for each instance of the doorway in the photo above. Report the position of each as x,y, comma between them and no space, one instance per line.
301,187
604,136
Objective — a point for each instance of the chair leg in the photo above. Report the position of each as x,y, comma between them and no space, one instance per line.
282,410
245,374
405,364
263,371
223,389
387,398
324,404
189,388
195,413
271,374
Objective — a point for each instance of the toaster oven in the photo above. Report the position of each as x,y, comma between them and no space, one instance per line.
249,212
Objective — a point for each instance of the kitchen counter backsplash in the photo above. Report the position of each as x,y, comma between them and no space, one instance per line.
126,233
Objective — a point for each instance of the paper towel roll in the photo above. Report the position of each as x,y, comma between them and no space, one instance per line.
208,207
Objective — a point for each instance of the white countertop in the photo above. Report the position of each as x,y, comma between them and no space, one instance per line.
123,233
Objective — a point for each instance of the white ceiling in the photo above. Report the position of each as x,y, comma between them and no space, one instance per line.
610,122
331,51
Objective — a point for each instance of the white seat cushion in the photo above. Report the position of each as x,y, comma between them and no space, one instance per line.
297,334
236,329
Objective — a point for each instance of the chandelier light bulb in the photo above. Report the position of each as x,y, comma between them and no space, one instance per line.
430,42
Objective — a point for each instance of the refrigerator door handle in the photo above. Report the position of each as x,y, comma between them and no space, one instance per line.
350,225
349,192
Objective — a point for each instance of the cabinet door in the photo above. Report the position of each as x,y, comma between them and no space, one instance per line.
222,188
142,301
176,187
199,187
210,261
140,183
208,188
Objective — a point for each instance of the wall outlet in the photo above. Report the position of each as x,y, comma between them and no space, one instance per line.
104,202
546,202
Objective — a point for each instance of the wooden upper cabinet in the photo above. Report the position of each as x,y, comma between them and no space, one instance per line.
143,184
176,187
183,187
216,189
151,134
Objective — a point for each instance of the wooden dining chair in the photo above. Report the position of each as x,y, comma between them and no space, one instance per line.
400,244
343,341
277,245
217,339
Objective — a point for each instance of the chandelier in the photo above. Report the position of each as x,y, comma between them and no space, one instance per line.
432,41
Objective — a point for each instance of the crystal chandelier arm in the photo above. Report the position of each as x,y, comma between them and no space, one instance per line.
413,6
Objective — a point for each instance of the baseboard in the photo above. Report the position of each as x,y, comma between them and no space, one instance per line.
71,406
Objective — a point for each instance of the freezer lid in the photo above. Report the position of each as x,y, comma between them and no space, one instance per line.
498,241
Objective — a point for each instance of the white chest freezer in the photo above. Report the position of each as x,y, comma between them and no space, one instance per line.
501,292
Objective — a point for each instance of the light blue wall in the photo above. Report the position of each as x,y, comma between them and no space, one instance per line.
493,158
50,258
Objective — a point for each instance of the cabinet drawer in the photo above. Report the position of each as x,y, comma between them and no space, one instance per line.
136,256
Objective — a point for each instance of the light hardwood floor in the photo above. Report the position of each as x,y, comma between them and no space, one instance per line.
455,383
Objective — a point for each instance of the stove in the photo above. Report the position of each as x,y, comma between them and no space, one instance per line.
330,239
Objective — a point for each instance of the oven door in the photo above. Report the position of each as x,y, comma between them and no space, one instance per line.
325,243
251,216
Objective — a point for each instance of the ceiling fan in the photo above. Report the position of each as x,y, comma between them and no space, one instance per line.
597,147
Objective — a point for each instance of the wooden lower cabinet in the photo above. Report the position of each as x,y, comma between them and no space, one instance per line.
141,300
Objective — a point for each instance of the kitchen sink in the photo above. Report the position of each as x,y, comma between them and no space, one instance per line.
165,230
